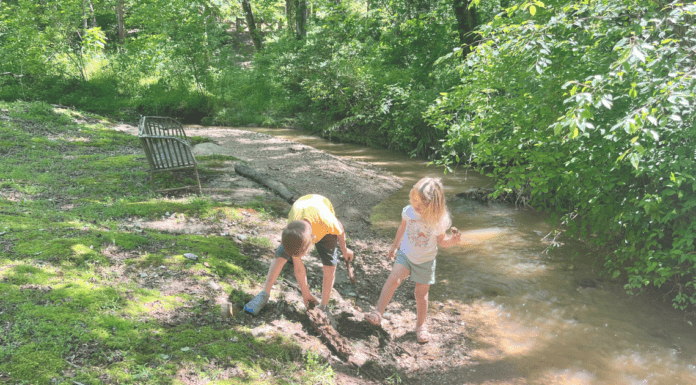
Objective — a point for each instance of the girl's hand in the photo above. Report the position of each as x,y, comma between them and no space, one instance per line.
392,254
456,235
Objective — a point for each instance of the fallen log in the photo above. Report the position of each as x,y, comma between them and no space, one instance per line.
256,176
321,323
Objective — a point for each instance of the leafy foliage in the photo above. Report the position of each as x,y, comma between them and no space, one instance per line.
584,109
587,109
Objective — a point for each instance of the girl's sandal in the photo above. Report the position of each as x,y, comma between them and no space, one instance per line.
422,334
374,318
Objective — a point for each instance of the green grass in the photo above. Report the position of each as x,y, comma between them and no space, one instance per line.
71,309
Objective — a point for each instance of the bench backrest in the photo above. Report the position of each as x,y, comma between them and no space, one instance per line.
165,143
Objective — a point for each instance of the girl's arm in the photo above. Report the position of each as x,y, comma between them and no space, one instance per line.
397,240
447,241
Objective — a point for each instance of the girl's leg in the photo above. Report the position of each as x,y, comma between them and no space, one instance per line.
421,294
398,274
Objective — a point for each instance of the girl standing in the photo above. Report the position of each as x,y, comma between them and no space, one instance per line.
424,222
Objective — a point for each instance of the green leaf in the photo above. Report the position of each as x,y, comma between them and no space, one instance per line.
532,10
615,274
638,54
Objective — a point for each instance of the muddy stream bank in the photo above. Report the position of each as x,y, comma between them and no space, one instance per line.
507,310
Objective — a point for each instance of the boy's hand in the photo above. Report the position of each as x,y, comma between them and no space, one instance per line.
309,299
392,254
348,255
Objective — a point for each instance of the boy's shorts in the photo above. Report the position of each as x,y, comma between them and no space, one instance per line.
420,273
327,248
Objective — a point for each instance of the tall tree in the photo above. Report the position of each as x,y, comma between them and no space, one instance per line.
91,12
121,24
88,7
465,13
301,18
253,32
290,15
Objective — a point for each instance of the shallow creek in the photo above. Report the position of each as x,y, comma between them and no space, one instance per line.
549,317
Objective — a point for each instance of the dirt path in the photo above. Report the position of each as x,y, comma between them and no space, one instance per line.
392,353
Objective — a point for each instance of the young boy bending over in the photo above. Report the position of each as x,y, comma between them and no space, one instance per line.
312,221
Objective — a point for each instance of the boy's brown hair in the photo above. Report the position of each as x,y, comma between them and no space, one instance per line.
297,235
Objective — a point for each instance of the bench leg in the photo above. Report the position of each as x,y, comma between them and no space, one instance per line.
200,190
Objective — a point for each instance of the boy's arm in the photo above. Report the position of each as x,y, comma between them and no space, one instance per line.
444,241
347,253
397,239
301,276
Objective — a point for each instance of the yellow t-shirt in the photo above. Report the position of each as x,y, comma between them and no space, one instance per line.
319,212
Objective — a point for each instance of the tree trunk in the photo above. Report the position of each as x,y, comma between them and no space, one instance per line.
121,26
301,18
466,25
237,24
256,176
255,35
290,15
84,15
91,12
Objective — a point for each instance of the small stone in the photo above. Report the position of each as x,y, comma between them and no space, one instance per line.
234,339
191,256
241,237
143,275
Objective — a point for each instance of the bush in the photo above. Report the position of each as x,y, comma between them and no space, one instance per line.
602,136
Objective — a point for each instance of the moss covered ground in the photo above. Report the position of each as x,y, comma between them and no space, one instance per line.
77,300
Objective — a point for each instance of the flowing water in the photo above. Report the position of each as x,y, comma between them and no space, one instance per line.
549,317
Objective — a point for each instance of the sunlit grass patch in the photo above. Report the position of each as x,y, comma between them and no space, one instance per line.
261,242
89,293
194,140
219,214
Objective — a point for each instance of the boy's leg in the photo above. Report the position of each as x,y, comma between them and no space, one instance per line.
327,284
421,294
327,248
273,273
257,303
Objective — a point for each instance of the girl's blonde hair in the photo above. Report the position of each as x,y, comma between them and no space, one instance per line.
432,194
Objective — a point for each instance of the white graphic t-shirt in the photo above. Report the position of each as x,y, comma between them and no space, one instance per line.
420,240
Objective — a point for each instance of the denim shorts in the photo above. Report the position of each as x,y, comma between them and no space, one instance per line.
420,273
327,248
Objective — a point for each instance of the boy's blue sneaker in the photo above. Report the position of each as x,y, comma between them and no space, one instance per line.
255,305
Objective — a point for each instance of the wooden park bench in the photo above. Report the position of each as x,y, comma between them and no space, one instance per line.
166,147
